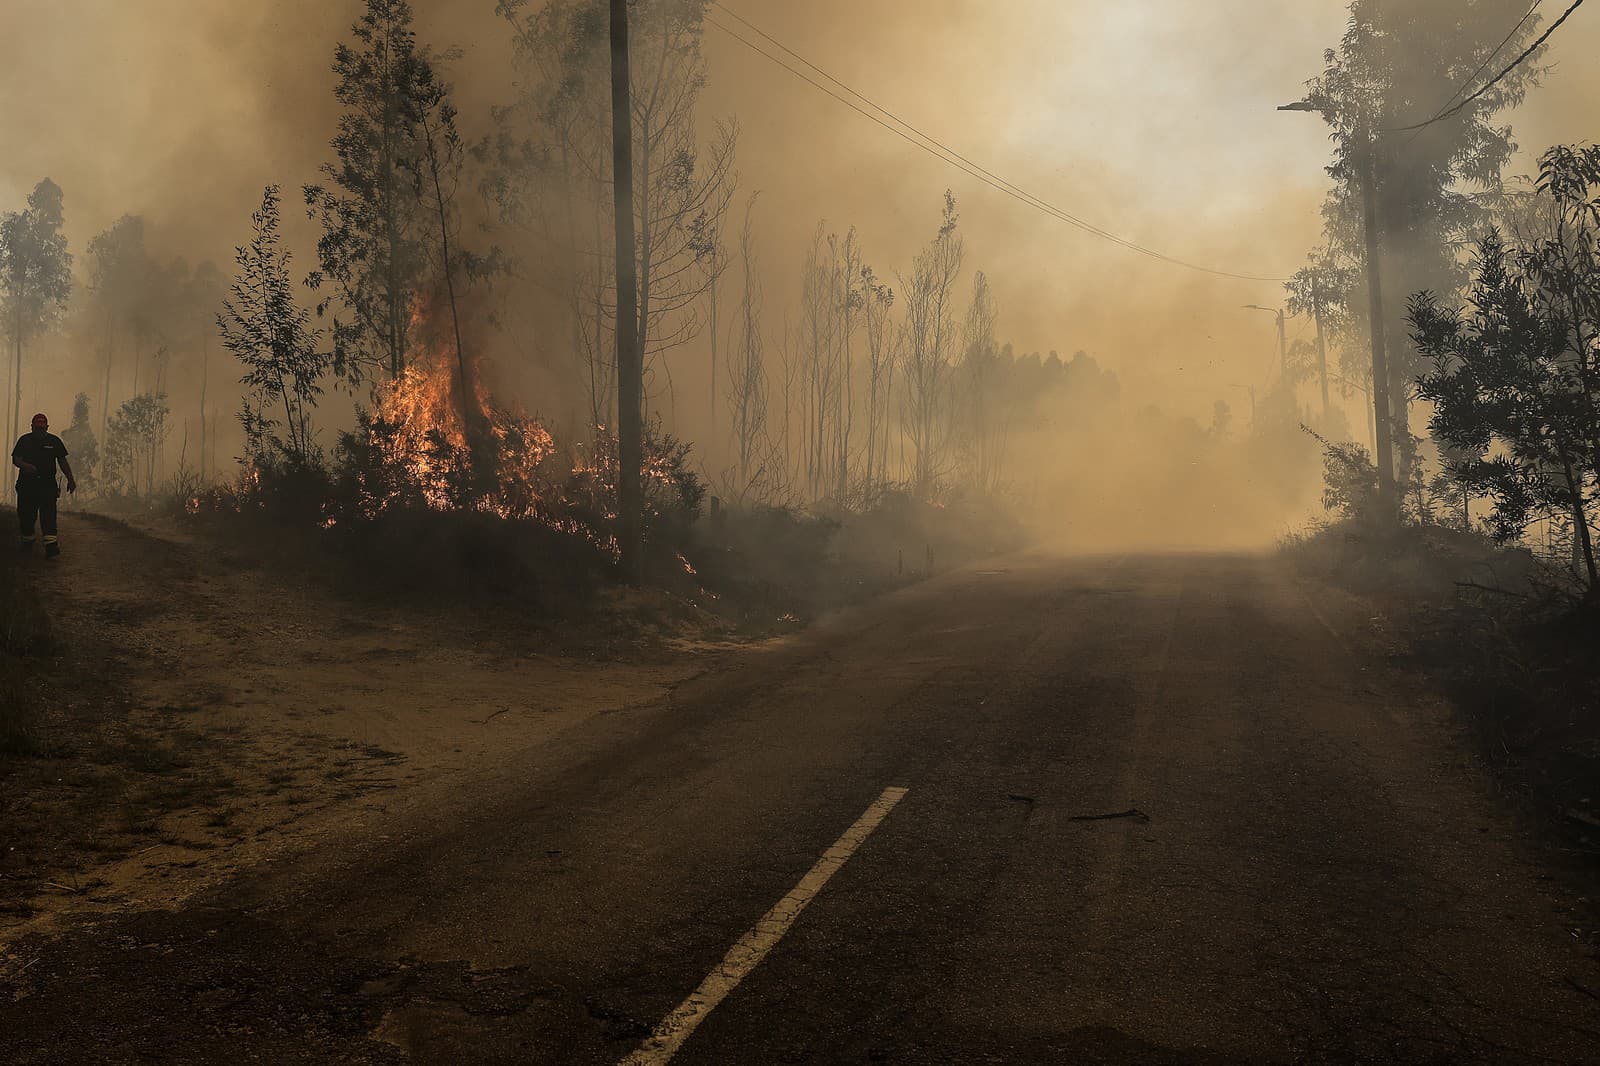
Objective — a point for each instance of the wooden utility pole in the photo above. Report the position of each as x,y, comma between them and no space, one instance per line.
1322,347
1380,359
1283,346
630,360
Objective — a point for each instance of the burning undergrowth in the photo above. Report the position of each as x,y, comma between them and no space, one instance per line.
446,486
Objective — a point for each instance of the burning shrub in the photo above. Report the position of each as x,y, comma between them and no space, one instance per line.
673,494
426,445
436,471
278,488
510,469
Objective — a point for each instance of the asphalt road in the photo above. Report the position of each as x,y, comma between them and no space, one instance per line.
1314,872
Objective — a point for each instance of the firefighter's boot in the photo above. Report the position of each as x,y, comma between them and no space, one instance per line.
26,546
52,547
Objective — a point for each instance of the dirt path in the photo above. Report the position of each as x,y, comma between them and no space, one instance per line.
206,716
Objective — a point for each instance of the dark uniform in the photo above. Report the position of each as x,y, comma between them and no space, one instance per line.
37,492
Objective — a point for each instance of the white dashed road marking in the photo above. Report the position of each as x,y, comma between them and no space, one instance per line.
743,957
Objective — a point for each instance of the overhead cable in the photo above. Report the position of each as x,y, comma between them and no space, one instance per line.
1496,80
912,135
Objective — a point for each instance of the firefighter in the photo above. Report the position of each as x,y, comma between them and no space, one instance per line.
36,457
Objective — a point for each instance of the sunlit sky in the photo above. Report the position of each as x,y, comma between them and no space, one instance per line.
1151,118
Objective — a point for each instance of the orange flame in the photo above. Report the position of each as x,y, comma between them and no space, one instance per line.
428,439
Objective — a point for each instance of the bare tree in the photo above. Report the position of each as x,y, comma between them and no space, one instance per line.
831,298
930,336
986,400
792,366
682,189
747,373
848,297
815,354
884,339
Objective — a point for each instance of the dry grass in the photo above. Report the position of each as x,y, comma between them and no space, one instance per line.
1505,636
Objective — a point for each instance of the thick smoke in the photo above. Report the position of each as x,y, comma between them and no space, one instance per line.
1152,119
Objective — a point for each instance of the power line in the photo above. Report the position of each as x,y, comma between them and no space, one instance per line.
1497,79
1490,58
939,150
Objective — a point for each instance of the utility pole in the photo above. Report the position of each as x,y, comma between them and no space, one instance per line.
1367,177
630,360
1283,347
1322,347
1283,336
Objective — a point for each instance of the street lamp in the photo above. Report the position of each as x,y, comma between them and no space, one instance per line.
1366,174
1283,339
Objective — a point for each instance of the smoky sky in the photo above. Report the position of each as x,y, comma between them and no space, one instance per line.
1152,118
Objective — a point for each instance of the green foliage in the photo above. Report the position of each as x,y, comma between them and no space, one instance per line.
372,254
134,437
277,491
1515,382
264,326
1349,479
1397,61
81,444
35,276
120,267
531,521
35,266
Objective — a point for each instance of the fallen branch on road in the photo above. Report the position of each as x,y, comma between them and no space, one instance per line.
1132,812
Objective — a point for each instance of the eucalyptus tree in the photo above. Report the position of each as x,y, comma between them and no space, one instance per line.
1322,290
1504,394
201,298
372,256
35,277
273,337
120,268
439,166
1400,64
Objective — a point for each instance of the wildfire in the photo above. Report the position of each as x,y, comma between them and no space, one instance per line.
425,447
454,454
